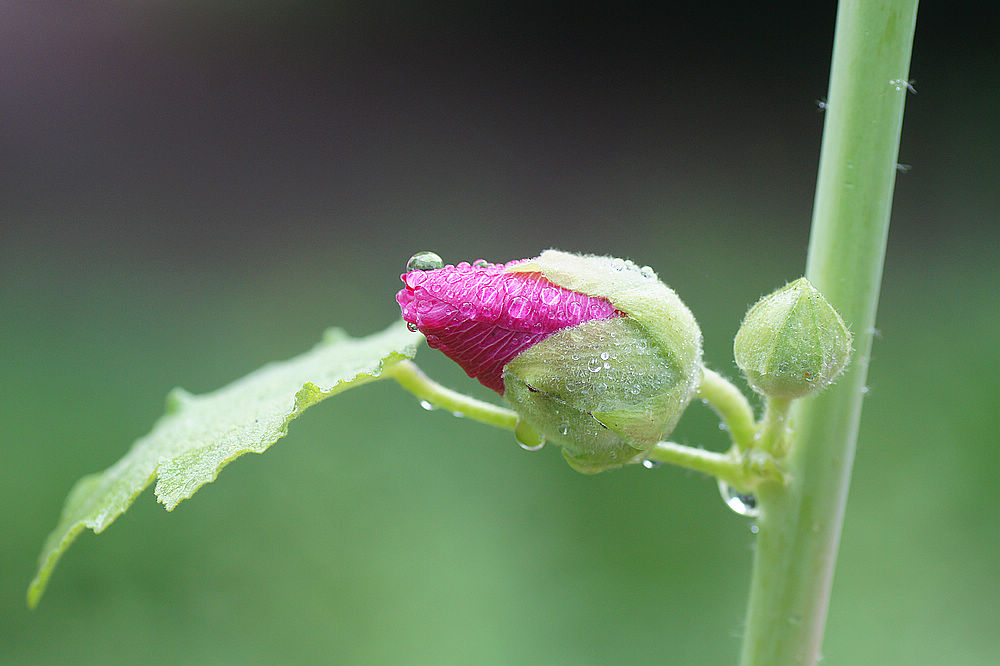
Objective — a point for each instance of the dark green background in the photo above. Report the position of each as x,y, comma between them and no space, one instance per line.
190,190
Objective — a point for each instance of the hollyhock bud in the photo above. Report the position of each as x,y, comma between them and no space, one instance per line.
792,342
593,352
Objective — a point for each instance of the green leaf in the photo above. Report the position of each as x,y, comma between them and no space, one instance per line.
199,435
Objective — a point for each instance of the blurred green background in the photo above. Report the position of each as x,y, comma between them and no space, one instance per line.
190,190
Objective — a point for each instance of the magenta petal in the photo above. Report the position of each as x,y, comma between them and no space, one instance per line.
482,316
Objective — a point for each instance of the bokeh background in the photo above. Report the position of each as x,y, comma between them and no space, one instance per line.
192,189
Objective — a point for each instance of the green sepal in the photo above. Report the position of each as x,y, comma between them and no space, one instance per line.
608,390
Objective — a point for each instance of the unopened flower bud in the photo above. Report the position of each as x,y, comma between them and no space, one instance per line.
792,343
595,353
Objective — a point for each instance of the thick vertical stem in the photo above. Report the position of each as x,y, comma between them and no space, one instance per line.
800,523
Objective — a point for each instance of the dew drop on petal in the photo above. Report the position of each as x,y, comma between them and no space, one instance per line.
518,308
424,261
414,278
549,296
480,263
487,295
410,325
467,309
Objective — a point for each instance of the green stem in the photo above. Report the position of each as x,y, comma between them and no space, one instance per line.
737,469
745,470
731,405
724,466
800,523
773,434
412,378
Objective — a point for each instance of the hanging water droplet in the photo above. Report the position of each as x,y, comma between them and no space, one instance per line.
426,405
410,325
650,464
528,438
424,261
741,503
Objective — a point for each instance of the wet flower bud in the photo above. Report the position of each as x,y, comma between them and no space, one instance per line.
792,343
593,352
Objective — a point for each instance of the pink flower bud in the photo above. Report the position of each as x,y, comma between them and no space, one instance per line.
483,315
594,353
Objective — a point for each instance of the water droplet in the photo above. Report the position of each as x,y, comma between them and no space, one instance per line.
575,310
426,405
549,296
605,356
741,503
607,366
414,278
650,464
647,272
424,261
466,309
480,263
563,428
754,528
410,325
513,287
528,438
489,300
595,365
519,307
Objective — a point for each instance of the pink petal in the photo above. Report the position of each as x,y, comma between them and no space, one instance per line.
482,317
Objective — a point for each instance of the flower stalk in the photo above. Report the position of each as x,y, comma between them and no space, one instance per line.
800,522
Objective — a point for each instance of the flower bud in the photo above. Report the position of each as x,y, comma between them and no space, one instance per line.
792,343
593,352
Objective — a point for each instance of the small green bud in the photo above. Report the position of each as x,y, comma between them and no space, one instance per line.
792,343
608,389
